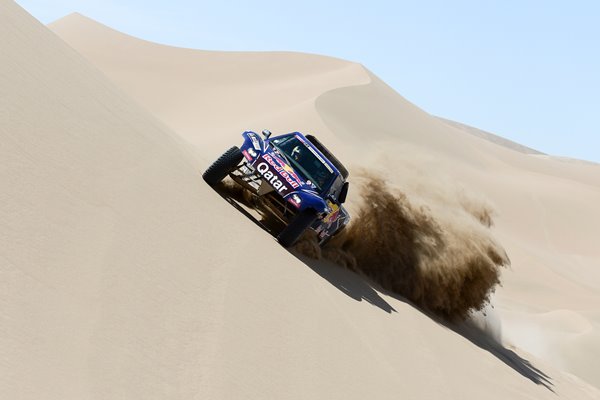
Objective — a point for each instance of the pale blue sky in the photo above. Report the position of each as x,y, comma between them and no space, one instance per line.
526,70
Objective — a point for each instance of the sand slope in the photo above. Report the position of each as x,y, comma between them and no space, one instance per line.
547,213
120,278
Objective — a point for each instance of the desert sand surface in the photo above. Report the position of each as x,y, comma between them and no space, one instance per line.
125,276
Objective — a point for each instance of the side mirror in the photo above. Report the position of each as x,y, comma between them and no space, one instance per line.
266,133
343,193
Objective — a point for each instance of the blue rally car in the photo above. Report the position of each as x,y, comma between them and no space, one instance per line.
293,177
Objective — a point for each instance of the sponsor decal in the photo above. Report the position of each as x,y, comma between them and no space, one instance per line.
283,172
255,143
295,200
290,171
333,214
245,153
271,175
276,156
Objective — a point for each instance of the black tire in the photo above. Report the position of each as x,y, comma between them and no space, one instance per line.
292,232
223,166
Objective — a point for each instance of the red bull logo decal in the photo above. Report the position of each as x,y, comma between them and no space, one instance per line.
291,172
333,215
286,172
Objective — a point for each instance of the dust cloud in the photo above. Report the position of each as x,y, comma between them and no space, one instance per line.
443,259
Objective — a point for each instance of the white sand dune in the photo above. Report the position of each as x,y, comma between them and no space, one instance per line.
548,215
125,276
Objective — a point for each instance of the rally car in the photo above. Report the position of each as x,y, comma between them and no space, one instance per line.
293,178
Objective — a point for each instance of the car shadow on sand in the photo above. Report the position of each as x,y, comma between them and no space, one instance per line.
509,357
343,279
487,342
359,288
346,281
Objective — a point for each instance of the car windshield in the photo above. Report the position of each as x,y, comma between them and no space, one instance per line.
305,160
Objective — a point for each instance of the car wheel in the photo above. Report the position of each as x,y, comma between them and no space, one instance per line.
292,232
223,166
